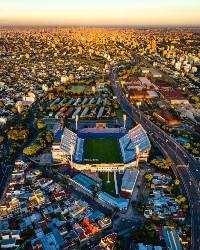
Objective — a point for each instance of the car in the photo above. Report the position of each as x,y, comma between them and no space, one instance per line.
197,170
190,183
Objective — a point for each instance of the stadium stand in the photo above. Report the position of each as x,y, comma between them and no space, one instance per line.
139,137
135,137
128,142
78,155
127,149
71,140
101,132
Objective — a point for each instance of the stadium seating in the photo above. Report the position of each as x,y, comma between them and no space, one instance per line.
135,137
78,155
139,137
127,149
71,141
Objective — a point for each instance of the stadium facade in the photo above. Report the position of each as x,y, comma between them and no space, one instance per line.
134,147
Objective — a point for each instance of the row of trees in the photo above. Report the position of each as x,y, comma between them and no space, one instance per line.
162,164
125,73
42,141
146,234
40,124
18,134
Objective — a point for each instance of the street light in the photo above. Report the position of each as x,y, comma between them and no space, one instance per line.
76,119
108,181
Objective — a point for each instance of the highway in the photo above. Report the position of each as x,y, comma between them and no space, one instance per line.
184,166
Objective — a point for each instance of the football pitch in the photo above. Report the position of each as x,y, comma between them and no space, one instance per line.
102,151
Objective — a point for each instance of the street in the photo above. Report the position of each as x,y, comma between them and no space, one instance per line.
175,152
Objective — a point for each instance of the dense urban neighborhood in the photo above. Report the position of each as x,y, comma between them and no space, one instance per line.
100,138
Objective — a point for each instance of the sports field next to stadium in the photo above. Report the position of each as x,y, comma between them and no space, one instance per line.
108,187
102,151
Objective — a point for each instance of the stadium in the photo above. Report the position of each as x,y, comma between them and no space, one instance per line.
105,149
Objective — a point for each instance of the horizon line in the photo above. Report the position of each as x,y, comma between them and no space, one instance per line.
98,26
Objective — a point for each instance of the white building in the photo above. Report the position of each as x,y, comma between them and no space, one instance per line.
178,65
64,79
45,87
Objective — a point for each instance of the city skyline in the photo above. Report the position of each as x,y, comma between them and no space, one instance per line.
104,13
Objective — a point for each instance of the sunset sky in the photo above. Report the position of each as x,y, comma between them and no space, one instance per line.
102,12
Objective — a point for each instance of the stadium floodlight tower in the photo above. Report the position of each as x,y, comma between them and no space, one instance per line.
108,181
124,118
71,151
76,119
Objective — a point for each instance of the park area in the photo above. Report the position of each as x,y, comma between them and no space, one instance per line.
102,151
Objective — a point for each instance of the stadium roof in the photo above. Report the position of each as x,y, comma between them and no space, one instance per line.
129,179
139,138
171,239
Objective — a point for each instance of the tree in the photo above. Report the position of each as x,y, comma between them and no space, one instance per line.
180,199
1,139
148,177
195,99
32,150
71,77
14,110
116,209
195,151
186,145
176,182
155,218
1,156
51,96
41,108
18,134
162,164
171,223
118,243
66,177
197,105
141,207
40,124
2,104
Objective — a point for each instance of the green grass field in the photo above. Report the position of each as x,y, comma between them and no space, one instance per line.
108,187
81,87
102,151
119,114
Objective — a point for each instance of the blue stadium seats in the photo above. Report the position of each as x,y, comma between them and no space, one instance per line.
135,137
71,141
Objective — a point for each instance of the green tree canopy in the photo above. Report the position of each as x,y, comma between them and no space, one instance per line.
148,177
40,124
